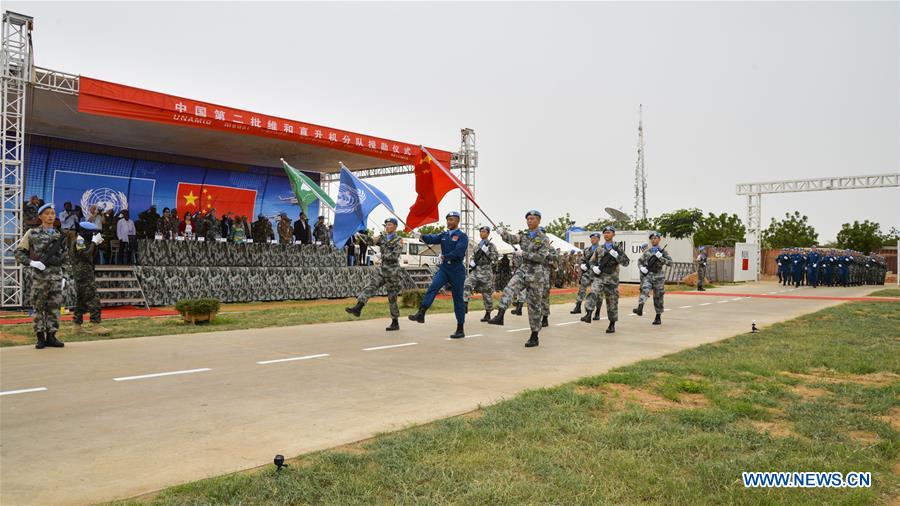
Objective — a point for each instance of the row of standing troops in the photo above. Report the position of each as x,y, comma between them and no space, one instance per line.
530,281
829,267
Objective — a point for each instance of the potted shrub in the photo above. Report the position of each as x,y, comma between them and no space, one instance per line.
412,298
197,310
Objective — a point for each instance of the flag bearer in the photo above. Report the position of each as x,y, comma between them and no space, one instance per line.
387,275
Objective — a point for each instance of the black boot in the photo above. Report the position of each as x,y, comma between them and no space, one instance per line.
486,317
355,310
658,319
467,306
459,334
701,289
52,341
395,325
40,341
518,310
498,320
544,322
611,328
639,310
597,314
418,317
532,341
577,309
587,317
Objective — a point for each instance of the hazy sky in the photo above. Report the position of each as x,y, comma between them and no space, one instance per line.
732,92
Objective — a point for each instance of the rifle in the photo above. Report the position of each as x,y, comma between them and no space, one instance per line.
475,257
655,261
52,256
604,262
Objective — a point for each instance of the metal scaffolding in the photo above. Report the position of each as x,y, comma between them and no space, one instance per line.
466,160
16,74
640,175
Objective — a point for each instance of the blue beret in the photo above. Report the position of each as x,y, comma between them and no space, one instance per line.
595,234
86,225
454,214
609,228
485,228
702,248
654,234
391,220
46,206
533,212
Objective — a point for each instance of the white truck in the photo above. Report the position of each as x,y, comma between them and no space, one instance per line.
415,253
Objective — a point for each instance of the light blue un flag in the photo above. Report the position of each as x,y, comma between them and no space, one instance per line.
355,201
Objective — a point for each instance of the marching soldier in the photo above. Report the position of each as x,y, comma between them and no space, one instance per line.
454,244
587,275
651,266
604,263
534,247
86,298
387,275
284,229
812,267
481,277
43,248
701,268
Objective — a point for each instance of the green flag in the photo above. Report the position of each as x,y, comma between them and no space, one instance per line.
305,189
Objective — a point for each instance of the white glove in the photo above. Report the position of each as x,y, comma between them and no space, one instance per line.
643,269
485,248
596,269
37,264
659,254
614,253
97,239
63,284
471,263
518,253
816,265
584,267
698,258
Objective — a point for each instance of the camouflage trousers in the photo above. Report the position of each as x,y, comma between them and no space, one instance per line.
482,281
657,283
701,275
600,291
532,285
389,278
583,284
46,299
545,296
86,300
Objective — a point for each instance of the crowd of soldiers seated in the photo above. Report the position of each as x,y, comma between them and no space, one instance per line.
829,267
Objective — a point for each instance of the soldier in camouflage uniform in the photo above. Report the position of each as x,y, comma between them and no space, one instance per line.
587,275
604,263
213,228
388,274
320,232
285,231
481,275
653,278
549,280
534,247
701,268
82,268
262,230
44,249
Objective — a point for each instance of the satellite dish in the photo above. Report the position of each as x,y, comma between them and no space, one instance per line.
617,215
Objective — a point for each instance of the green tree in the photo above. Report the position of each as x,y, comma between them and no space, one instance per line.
559,226
891,238
720,230
430,229
793,231
599,223
865,237
644,224
679,223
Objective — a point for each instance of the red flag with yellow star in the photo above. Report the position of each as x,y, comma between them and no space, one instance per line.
193,197
432,183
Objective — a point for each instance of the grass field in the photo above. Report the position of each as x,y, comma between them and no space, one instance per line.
887,292
818,393
260,315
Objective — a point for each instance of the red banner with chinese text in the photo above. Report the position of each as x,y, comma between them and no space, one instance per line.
117,100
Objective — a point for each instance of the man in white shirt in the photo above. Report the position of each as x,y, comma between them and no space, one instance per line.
125,231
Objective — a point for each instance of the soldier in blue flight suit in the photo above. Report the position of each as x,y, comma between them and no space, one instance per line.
451,270
812,267
782,259
844,261
785,267
797,268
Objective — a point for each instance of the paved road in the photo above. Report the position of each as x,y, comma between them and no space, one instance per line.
107,421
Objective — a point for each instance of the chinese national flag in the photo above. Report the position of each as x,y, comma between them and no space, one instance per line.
193,197
432,183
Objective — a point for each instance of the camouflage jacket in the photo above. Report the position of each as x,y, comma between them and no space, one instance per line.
391,249
652,263
45,245
262,231
213,228
82,259
320,233
609,265
285,232
486,259
535,248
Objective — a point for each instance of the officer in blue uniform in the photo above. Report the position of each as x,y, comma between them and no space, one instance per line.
451,270
829,262
844,261
812,267
797,268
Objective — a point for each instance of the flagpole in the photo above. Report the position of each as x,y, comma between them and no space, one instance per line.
329,206
377,197
454,179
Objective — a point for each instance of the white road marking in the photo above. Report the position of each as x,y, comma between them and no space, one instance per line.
685,307
567,323
159,374
706,304
771,293
24,391
737,298
307,357
389,346
467,336
722,302
519,330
